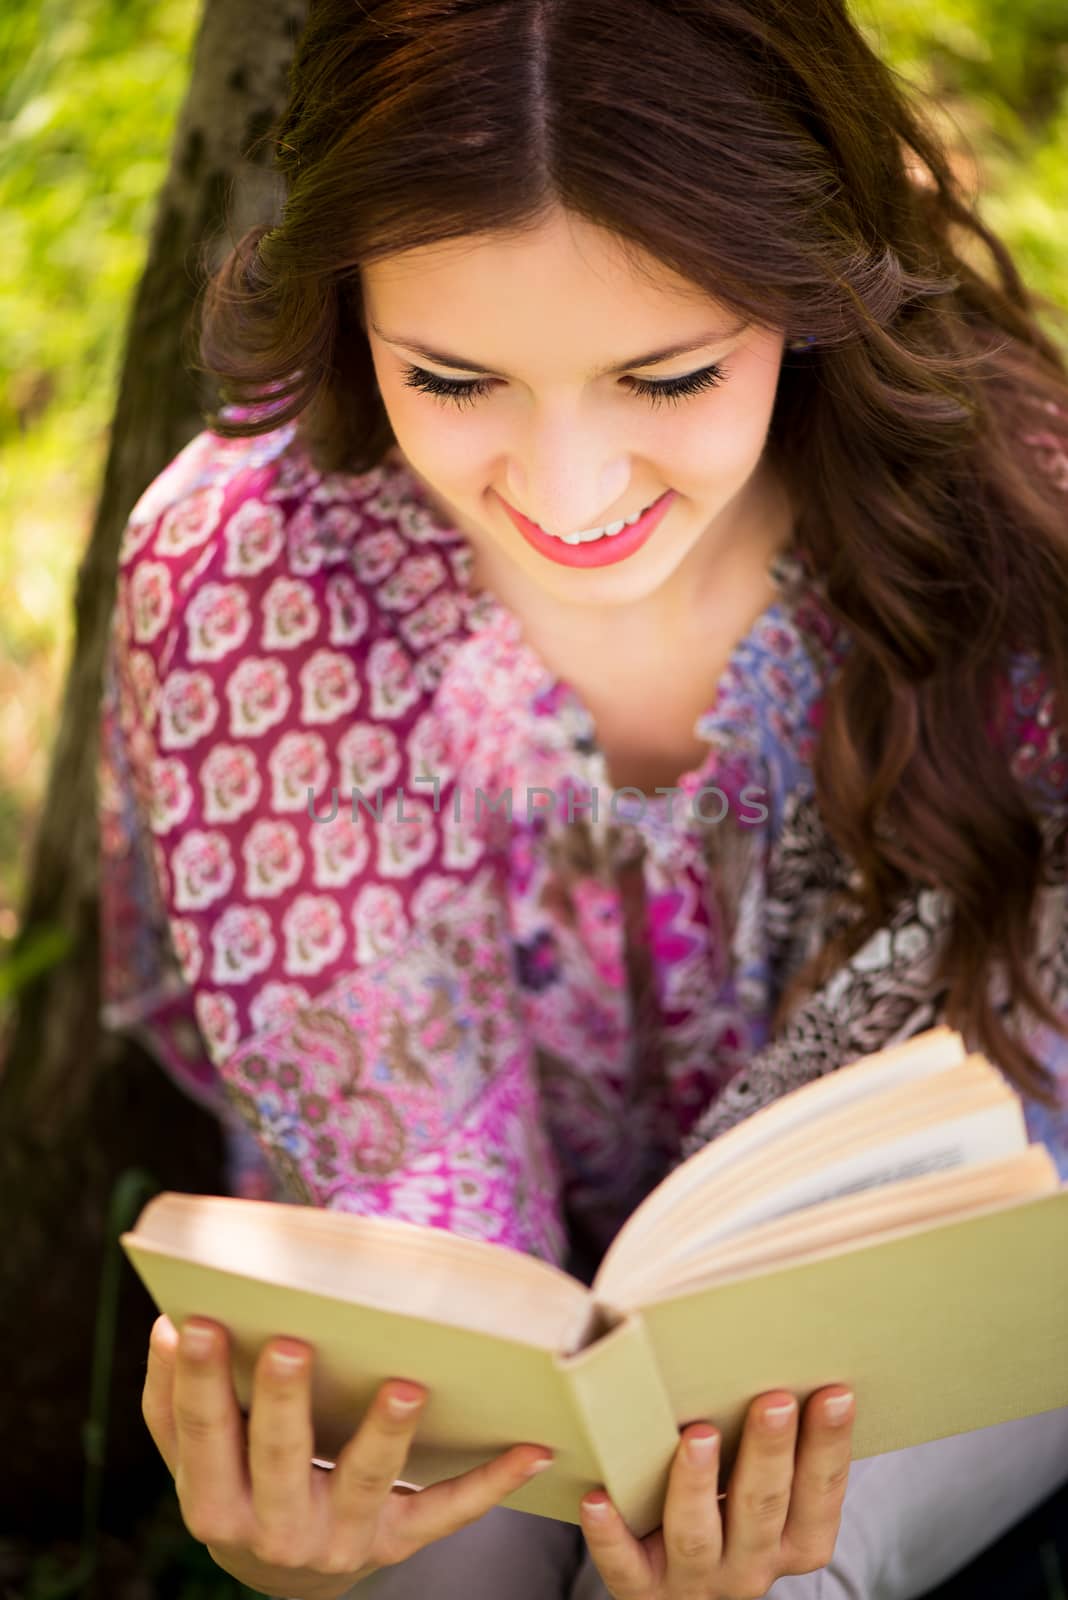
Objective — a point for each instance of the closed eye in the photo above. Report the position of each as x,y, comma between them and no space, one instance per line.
466,391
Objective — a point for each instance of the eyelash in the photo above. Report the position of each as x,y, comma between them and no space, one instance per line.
466,392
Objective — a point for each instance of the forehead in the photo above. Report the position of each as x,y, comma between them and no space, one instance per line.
562,255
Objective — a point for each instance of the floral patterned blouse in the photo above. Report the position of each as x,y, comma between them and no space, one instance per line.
369,895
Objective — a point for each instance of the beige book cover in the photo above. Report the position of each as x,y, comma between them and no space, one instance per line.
887,1227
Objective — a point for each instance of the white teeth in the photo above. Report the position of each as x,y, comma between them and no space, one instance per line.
588,535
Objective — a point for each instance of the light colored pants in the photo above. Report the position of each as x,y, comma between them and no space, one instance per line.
911,1518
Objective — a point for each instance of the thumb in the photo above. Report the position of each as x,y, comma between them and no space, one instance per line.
157,1398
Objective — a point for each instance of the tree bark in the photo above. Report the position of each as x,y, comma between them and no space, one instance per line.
79,1106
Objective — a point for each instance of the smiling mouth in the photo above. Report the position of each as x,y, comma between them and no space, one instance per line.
603,549
608,530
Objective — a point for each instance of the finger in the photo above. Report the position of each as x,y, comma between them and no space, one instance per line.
211,1478
693,1532
281,1441
374,1459
758,1496
453,1503
157,1397
618,1556
821,1477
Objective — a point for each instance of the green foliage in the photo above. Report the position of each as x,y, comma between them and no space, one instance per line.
89,91
45,947
998,72
86,117
1013,54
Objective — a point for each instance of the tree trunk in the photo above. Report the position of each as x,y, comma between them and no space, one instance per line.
79,1106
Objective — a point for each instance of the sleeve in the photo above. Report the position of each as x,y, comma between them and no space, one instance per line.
143,990
347,966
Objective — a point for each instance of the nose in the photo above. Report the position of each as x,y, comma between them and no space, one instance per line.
565,483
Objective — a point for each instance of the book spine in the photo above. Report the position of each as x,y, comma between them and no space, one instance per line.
618,1394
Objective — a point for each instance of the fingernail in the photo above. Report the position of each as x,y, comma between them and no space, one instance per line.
539,1466
596,1508
837,1407
701,1448
403,1405
286,1363
197,1342
780,1416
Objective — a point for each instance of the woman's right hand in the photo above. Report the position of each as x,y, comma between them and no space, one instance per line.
266,1515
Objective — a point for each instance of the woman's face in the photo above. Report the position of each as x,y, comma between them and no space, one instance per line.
537,322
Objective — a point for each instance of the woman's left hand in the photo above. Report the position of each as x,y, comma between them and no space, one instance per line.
781,1515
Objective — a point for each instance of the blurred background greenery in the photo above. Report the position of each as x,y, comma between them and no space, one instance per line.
89,91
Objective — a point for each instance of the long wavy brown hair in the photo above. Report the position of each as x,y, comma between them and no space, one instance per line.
767,154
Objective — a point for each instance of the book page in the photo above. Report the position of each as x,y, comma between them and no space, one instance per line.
967,1113
848,1222
906,1148
936,1050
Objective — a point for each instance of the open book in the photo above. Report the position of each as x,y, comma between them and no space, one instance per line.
888,1227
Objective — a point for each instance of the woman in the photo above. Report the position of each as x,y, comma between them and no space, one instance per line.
624,474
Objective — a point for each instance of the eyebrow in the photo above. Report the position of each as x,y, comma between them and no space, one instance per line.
652,358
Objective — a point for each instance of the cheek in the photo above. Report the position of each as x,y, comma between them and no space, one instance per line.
411,414
714,445
442,445
449,443
724,433
414,416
